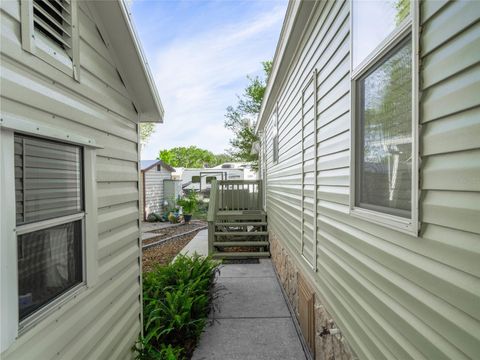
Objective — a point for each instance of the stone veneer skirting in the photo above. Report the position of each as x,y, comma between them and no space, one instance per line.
328,347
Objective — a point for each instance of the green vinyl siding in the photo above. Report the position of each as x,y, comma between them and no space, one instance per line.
393,295
103,321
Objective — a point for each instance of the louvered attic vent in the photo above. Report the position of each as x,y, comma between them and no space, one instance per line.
53,19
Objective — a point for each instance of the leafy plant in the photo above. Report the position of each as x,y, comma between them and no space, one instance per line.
146,130
145,351
176,302
240,119
189,203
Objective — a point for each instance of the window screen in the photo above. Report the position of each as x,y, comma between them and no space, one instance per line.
48,179
195,179
49,263
384,147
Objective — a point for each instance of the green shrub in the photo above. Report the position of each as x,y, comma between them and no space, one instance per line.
201,212
176,302
189,203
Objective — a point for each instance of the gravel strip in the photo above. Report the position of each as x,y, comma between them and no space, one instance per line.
149,243
161,249
171,231
164,253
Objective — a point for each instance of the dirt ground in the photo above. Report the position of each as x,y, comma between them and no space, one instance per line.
165,252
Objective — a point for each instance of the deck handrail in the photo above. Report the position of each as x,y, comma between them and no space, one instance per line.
212,204
238,182
239,195
212,214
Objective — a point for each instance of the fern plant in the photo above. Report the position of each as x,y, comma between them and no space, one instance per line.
176,302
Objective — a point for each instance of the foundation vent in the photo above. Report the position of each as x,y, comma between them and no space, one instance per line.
306,313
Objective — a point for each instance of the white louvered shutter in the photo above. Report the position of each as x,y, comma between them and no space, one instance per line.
53,18
48,179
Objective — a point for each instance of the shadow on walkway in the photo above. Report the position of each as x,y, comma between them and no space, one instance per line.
252,320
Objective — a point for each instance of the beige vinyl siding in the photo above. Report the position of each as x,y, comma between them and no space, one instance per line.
104,319
392,294
154,189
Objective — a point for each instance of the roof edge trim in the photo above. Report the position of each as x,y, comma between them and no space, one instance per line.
297,19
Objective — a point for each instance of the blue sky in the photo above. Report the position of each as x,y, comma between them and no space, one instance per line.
200,53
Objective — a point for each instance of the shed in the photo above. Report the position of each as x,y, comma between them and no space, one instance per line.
74,88
153,173
370,152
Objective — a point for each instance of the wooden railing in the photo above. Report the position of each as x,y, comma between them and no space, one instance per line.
232,195
239,195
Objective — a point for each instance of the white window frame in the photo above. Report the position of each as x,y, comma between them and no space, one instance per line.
44,48
11,328
408,27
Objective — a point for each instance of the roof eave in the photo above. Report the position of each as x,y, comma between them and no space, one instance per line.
294,25
166,166
122,41
156,114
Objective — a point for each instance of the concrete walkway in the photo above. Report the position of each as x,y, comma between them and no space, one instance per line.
252,321
198,244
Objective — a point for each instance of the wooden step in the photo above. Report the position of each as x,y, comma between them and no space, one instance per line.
241,215
240,212
240,243
241,233
240,255
249,223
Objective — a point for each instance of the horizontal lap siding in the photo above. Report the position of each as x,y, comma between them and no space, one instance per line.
393,295
154,194
103,320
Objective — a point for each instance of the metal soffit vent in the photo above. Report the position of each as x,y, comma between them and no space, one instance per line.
53,19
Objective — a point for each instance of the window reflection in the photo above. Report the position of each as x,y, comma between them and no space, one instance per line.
373,21
385,146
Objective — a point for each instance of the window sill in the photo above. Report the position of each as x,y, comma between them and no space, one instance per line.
50,309
393,222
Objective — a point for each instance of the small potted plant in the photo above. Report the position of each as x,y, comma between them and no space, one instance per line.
189,204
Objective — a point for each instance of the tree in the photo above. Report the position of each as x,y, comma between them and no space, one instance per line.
146,130
192,157
223,158
241,118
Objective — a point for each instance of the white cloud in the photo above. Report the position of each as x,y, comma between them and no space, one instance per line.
199,76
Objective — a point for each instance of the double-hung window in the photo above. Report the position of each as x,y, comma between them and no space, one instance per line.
48,223
49,220
384,121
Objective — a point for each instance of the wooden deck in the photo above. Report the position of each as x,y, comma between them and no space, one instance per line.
237,224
